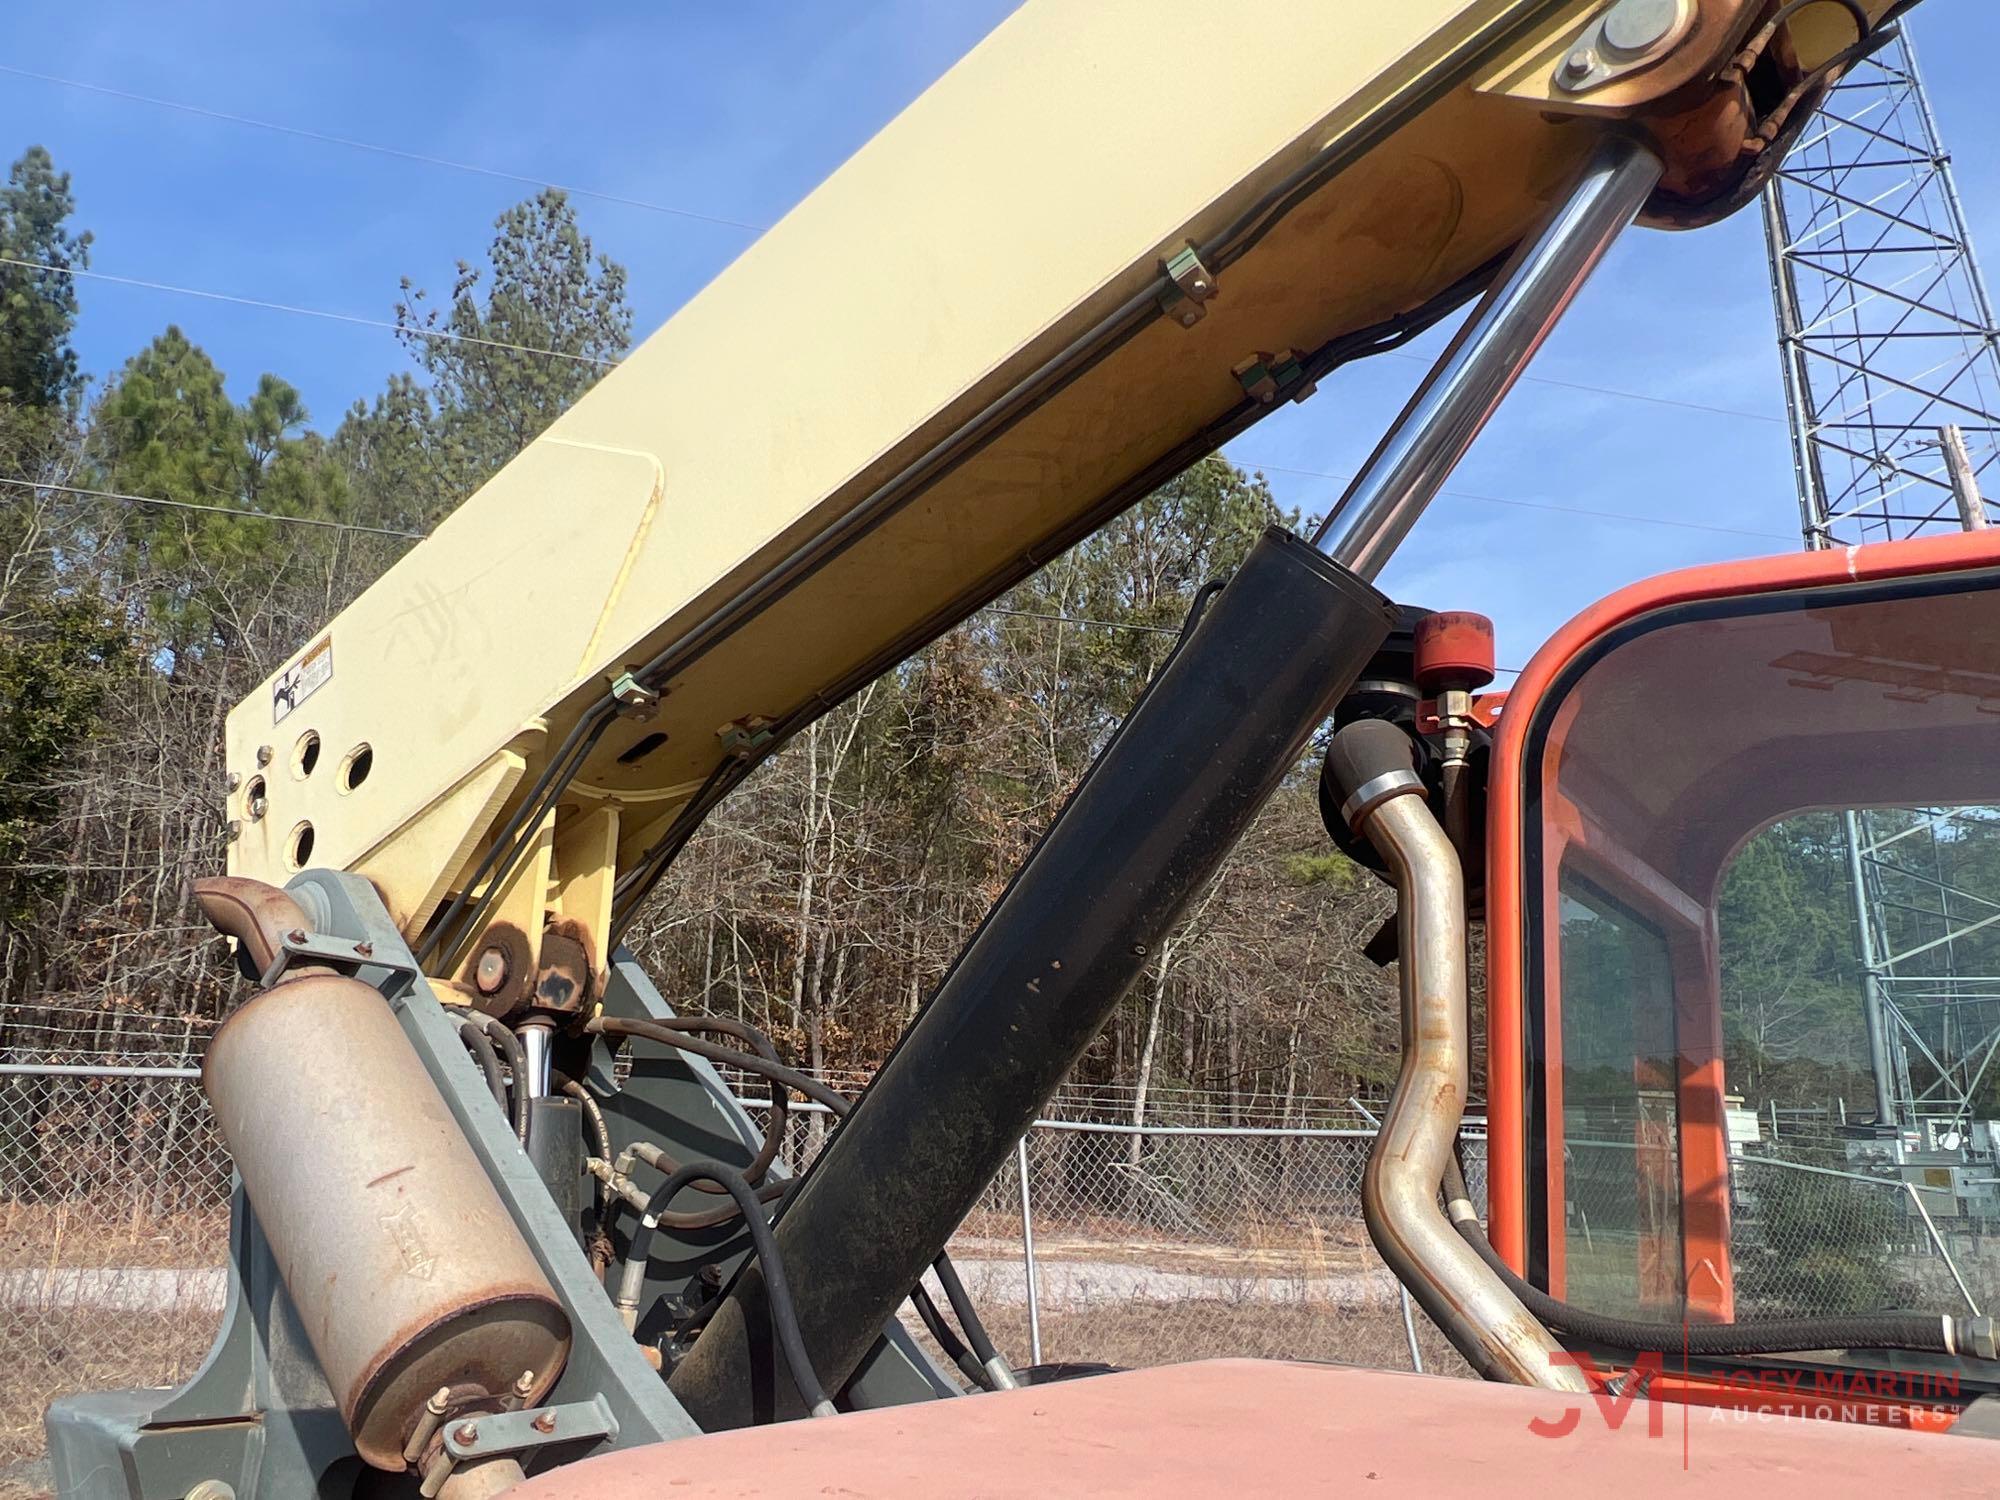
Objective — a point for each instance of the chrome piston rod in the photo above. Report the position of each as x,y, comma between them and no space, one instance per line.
1485,358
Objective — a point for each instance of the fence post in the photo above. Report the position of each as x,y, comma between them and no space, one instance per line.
1938,1240
1410,1331
1028,1252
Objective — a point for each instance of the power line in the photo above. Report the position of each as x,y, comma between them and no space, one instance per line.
401,153
1029,614
1605,390
304,312
415,536
380,150
1567,510
466,338
220,510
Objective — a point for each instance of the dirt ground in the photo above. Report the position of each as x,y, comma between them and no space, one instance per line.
1143,1333
82,1349
57,1335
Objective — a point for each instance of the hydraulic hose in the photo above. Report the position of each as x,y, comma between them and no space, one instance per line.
517,1064
991,1368
999,1374
664,1032
1924,1333
593,1113
476,1043
774,1128
704,1218
784,1317
953,1347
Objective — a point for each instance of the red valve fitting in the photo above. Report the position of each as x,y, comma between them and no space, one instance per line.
1454,652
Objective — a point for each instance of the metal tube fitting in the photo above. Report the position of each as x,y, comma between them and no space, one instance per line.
1399,1196
428,1424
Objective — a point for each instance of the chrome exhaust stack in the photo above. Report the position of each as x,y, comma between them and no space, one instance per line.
1384,802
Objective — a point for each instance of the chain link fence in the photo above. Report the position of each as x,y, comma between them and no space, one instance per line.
1805,1238
114,1226
1097,1242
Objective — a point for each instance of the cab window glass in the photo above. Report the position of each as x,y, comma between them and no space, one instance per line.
1621,1201
1823,1191
1764,929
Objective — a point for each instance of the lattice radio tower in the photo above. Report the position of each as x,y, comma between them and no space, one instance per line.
1892,377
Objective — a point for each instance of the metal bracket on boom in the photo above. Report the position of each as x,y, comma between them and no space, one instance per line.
745,737
1266,377
1631,35
635,699
1193,285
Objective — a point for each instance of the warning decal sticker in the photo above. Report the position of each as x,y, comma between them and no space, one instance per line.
302,679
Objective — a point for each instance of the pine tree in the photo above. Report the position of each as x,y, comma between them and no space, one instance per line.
511,348
38,305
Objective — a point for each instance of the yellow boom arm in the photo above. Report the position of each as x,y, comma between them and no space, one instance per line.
1106,240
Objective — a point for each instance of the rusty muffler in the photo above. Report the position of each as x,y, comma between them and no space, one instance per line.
1499,1338
408,1275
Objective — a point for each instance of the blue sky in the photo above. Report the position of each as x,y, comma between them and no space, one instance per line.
735,112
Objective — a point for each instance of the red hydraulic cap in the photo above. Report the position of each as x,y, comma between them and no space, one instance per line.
1454,652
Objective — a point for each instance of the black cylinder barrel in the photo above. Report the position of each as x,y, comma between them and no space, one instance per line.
1178,784
555,1146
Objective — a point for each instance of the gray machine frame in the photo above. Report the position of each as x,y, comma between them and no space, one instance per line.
258,1415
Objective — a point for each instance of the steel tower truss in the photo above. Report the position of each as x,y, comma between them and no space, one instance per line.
1892,379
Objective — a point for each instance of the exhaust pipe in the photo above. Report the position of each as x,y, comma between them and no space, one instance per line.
1371,762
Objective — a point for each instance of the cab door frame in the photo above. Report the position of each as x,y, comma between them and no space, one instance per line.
1520,969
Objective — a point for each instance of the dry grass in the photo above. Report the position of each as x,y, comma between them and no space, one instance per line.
57,1352
54,1342
73,1234
1133,1334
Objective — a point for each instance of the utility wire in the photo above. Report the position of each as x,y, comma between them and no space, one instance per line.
415,536
352,143
1605,390
462,338
304,312
1567,510
466,338
1029,614
220,510
380,150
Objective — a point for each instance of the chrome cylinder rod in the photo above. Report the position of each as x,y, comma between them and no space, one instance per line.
1485,358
